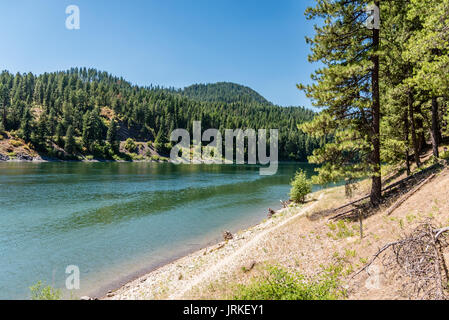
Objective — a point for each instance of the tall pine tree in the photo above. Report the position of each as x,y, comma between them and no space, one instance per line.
347,88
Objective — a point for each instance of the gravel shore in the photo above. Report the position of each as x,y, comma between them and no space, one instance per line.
179,278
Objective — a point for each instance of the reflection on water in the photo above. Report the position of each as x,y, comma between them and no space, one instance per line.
115,219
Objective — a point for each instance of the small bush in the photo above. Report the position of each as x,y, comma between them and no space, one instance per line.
136,157
16,143
1,137
130,145
444,155
301,187
280,284
340,230
41,292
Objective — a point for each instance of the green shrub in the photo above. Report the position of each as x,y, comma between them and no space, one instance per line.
301,187
136,156
1,137
41,292
16,143
116,157
340,230
445,155
100,151
280,284
155,158
130,145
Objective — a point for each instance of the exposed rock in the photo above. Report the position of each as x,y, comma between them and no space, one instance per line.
86,298
271,212
4,157
227,236
24,157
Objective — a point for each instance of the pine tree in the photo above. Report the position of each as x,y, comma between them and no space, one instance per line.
111,135
70,144
25,126
399,132
3,105
160,142
59,134
429,50
40,138
86,130
347,87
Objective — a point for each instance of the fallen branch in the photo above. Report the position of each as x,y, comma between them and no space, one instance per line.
420,258
408,195
342,214
383,190
388,188
440,231
385,247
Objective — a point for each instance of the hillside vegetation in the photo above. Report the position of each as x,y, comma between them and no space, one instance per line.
224,92
85,113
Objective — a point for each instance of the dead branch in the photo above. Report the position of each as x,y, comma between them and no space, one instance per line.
385,247
420,259
440,231
342,214
408,195
388,188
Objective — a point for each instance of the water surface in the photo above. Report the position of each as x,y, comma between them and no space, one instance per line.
117,220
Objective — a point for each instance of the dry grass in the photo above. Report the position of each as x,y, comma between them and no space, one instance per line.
312,246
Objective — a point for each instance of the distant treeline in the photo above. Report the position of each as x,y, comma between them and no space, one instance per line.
83,110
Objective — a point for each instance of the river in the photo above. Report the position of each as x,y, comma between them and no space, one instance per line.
115,221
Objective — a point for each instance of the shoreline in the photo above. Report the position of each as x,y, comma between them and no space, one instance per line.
36,160
122,282
115,285
192,268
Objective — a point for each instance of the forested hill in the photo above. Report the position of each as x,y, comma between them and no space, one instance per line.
85,112
223,92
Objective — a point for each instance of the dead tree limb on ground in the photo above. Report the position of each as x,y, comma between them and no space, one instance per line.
420,259
405,197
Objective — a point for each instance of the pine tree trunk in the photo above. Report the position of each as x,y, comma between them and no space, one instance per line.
407,142
419,125
416,147
376,188
439,134
434,132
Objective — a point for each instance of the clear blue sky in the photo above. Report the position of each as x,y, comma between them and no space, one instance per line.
167,42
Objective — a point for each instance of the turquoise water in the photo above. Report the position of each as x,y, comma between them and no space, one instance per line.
117,220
